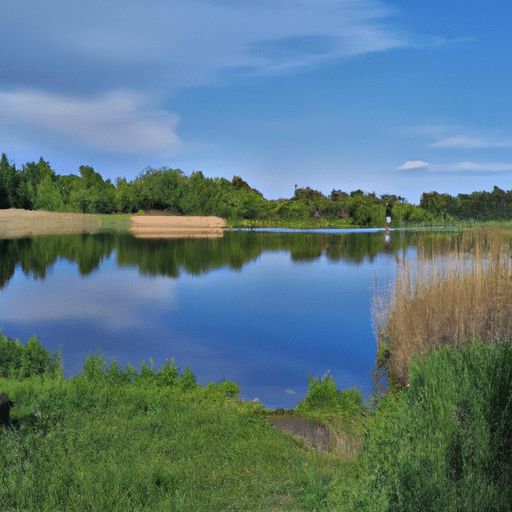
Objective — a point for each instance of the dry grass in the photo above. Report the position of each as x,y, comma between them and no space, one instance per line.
452,293
17,223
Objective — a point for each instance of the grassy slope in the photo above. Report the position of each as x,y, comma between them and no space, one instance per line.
102,446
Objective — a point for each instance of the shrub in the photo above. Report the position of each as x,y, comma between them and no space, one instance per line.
23,361
323,394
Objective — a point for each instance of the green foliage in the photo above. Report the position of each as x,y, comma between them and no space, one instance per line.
20,362
48,196
406,213
371,215
291,210
9,183
307,195
444,443
106,447
37,186
154,189
168,376
323,395
94,368
435,203
92,194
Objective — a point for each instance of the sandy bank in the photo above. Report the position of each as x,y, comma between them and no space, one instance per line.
17,223
160,226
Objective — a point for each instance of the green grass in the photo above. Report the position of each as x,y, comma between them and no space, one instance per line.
118,222
114,440
290,223
109,439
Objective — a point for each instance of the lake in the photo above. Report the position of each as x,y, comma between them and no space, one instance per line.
262,308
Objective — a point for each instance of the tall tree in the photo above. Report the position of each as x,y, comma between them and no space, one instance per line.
9,181
30,177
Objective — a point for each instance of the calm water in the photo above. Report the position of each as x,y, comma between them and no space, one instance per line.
264,309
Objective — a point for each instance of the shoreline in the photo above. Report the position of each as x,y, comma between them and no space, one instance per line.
19,223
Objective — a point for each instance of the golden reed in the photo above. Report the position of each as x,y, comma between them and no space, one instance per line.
457,289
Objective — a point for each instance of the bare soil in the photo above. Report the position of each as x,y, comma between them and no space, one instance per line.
16,223
313,432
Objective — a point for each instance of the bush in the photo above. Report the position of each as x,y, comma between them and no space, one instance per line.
23,361
323,394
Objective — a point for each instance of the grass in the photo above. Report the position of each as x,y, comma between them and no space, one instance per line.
119,222
290,223
113,440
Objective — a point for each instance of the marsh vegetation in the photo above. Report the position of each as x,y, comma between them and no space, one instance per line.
456,289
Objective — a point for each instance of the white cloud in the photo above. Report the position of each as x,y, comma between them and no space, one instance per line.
472,166
119,121
193,42
463,142
113,299
413,164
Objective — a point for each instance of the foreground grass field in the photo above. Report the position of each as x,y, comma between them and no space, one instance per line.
101,441
125,440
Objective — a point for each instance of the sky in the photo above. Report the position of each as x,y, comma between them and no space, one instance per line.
399,97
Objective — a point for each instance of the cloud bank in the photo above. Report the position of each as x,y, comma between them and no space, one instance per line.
473,166
188,42
117,122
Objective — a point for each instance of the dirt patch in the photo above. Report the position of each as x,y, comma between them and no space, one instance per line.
17,223
164,226
313,432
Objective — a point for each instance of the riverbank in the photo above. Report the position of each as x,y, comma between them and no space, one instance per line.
174,226
19,223
110,439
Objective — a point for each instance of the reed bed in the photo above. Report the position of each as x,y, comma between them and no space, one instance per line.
448,295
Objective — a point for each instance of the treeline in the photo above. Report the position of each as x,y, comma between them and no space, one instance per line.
480,206
37,187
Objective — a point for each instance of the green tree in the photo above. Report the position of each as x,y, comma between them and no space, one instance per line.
125,199
9,183
92,194
67,185
48,196
437,204
159,189
89,177
307,195
337,194
29,179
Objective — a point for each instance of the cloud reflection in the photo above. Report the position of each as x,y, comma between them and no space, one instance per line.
112,299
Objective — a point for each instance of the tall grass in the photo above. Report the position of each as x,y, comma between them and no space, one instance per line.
444,443
449,295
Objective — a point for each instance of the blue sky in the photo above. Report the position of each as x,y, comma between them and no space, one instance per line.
397,97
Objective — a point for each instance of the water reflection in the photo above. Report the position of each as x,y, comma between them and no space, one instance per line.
263,309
